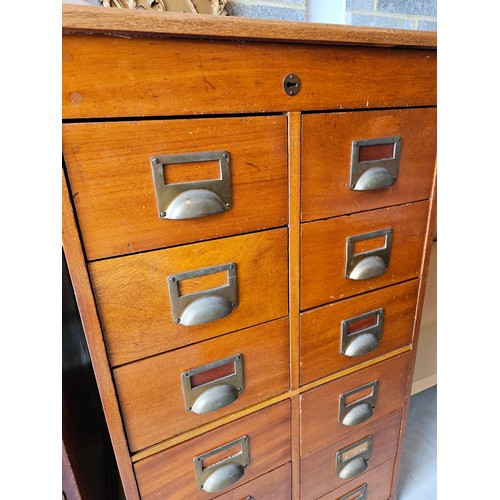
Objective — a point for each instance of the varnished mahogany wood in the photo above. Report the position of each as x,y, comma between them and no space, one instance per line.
133,298
150,390
137,80
378,481
322,403
294,134
317,472
292,395
294,137
323,251
327,154
170,474
321,329
222,76
171,24
109,169
274,485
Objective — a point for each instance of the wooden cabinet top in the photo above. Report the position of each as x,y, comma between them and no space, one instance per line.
84,19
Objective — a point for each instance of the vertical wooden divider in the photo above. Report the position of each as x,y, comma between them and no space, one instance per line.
294,160
97,350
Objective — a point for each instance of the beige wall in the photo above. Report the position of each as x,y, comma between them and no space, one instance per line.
426,364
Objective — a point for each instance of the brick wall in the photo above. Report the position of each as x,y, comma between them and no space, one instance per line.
290,10
405,14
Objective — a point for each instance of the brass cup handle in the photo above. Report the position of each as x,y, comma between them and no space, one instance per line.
189,200
368,267
354,468
224,476
370,264
205,310
374,178
356,411
207,305
361,344
194,203
365,340
379,171
352,460
222,382
215,398
357,414
226,472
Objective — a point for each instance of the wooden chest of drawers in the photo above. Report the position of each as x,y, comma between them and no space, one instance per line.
247,216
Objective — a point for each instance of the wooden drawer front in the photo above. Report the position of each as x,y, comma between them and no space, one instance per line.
324,249
109,168
216,77
318,470
321,329
378,484
275,485
151,390
133,296
323,404
327,147
170,473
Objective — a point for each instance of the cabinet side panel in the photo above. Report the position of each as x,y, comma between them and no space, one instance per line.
97,351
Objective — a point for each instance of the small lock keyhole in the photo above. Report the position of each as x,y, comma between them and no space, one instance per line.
291,84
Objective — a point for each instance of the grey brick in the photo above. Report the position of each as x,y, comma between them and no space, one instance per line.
378,21
427,25
409,7
356,5
265,12
291,2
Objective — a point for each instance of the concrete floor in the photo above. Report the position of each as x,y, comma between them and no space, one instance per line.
417,479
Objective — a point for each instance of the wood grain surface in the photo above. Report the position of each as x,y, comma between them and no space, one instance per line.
97,351
322,403
378,481
150,390
323,251
295,411
170,474
84,19
321,329
109,168
327,141
317,473
134,303
294,167
137,84
106,76
274,485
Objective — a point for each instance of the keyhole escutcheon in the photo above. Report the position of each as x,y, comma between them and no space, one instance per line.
291,84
